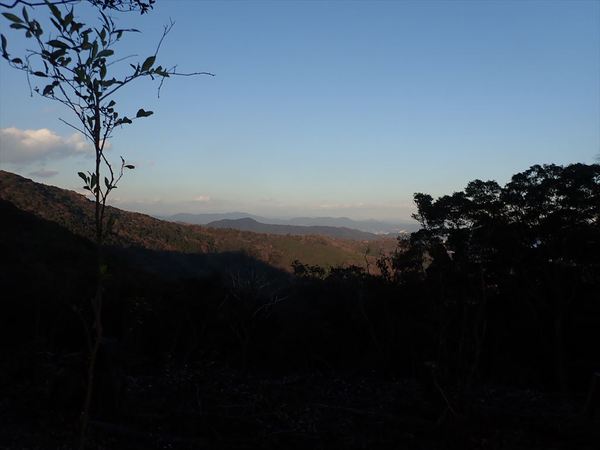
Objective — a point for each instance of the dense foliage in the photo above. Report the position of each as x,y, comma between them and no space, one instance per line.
516,270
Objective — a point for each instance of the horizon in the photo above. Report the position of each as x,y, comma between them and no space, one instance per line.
244,214
282,217
329,109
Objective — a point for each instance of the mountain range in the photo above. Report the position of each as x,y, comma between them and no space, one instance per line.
367,226
249,224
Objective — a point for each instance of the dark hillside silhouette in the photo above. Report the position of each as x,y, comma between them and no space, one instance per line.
480,333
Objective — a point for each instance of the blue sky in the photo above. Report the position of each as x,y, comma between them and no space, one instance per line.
334,108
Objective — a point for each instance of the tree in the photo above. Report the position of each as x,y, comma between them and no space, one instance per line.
536,240
143,6
77,67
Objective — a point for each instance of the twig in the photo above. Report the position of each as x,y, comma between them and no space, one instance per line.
75,128
448,404
28,3
120,59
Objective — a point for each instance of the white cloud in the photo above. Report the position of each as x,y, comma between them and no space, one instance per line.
27,146
201,198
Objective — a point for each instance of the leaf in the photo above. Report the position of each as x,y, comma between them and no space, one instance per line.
129,166
56,24
108,83
58,53
48,89
82,176
103,71
68,19
17,61
55,11
25,15
106,183
57,44
37,28
12,17
105,53
148,63
40,74
3,38
142,113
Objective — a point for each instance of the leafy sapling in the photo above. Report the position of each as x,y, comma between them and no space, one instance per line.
77,66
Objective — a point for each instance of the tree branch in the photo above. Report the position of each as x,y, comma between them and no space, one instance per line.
75,128
30,3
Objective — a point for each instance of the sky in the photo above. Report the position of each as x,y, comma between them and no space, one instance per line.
341,108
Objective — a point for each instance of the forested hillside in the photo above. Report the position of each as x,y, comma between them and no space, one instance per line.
133,230
479,332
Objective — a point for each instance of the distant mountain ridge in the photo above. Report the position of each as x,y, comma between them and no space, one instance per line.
206,218
367,226
249,224
370,226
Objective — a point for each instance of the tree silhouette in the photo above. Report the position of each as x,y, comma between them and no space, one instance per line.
143,6
538,237
78,68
